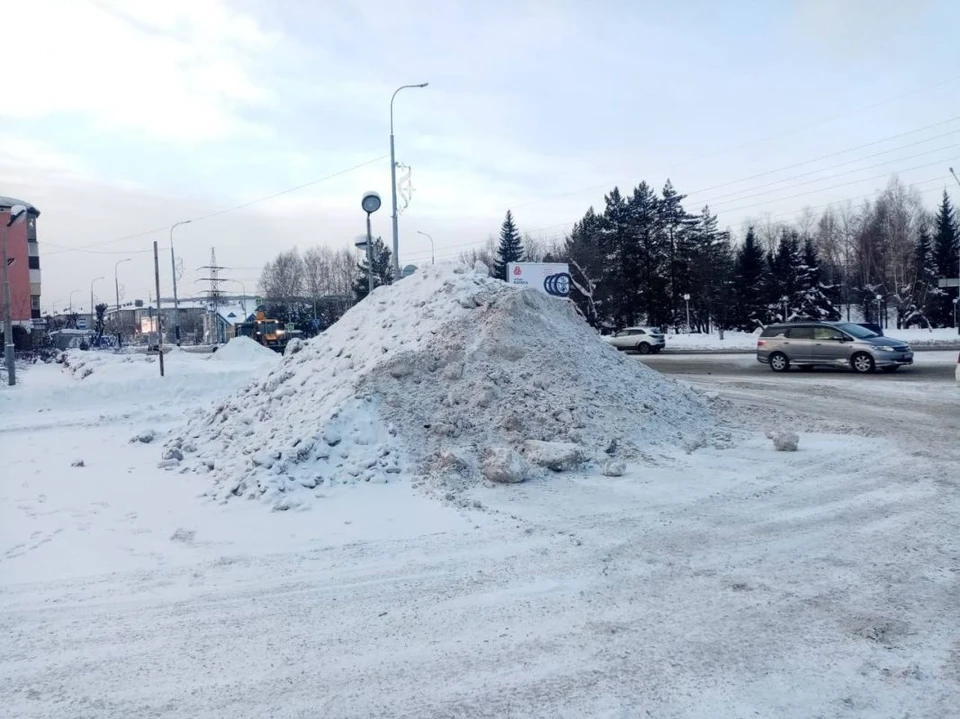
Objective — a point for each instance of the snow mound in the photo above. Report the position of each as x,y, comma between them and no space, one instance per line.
432,376
245,351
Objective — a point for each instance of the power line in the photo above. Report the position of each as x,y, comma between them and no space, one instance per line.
241,206
837,153
749,143
829,177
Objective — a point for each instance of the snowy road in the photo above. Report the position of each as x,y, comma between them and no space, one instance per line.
928,366
728,582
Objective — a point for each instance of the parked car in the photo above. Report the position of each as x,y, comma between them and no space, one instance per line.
836,344
642,339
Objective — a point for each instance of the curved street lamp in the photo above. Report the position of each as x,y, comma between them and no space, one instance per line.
393,182
433,258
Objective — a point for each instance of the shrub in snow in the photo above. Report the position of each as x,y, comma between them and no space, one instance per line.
77,463
784,441
422,377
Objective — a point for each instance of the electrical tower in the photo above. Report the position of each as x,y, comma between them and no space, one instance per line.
214,295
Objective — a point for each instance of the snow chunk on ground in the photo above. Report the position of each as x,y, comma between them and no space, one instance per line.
784,441
504,466
245,350
449,360
558,456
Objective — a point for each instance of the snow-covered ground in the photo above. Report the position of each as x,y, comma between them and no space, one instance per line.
947,337
706,582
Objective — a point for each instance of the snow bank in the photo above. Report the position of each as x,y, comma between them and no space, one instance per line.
432,376
245,350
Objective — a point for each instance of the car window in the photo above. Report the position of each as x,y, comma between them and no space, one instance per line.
639,332
800,333
826,333
773,331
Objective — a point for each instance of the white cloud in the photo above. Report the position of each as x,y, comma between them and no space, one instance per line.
24,159
179,71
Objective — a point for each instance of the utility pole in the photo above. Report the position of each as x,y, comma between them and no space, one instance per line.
16,212
213,294
156,277
958,266
173,268
393,185
116,285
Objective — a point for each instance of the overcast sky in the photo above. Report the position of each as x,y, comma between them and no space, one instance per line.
123,116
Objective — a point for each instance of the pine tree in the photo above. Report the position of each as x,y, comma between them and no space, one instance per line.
810,299
783,278
750,285
588,268
382,270
946,245
675,224
510,248
924,293
707,263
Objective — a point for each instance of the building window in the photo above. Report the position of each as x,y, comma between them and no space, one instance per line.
34,263
31,229
35,307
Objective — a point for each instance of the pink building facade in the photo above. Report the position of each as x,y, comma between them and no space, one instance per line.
23,258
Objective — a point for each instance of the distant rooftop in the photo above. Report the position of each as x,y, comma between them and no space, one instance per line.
7,202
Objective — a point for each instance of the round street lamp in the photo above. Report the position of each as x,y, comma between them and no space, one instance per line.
370,204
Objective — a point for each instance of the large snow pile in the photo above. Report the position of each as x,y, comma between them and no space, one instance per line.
245,350
448,374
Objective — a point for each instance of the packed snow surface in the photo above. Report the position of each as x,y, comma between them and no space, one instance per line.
244,349
439,374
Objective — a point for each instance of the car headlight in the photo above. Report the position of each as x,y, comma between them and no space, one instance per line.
884,348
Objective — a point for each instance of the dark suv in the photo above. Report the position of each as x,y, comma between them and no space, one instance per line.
837,344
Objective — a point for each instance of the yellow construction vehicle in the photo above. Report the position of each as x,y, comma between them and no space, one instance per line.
265,331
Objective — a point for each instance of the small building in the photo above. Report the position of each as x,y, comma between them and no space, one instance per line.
220,326
23,266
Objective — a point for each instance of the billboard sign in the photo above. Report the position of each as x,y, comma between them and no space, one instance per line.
552,278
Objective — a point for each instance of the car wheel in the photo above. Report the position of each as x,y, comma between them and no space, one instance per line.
863,363
643,348
779,362
891,368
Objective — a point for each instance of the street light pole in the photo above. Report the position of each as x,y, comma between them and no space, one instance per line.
370,204
686,298
433,259
393,185
16,212
70,301
879,300
958,265
116,285
93,316
173,268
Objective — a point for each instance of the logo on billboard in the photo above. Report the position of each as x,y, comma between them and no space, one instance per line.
557,285
517,271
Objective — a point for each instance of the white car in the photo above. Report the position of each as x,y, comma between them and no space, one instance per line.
640,339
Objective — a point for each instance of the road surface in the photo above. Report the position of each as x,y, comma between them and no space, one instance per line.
929,366
913,407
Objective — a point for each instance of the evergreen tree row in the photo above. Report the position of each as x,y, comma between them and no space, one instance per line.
646,260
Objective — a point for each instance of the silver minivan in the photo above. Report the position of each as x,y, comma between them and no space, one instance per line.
837,344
